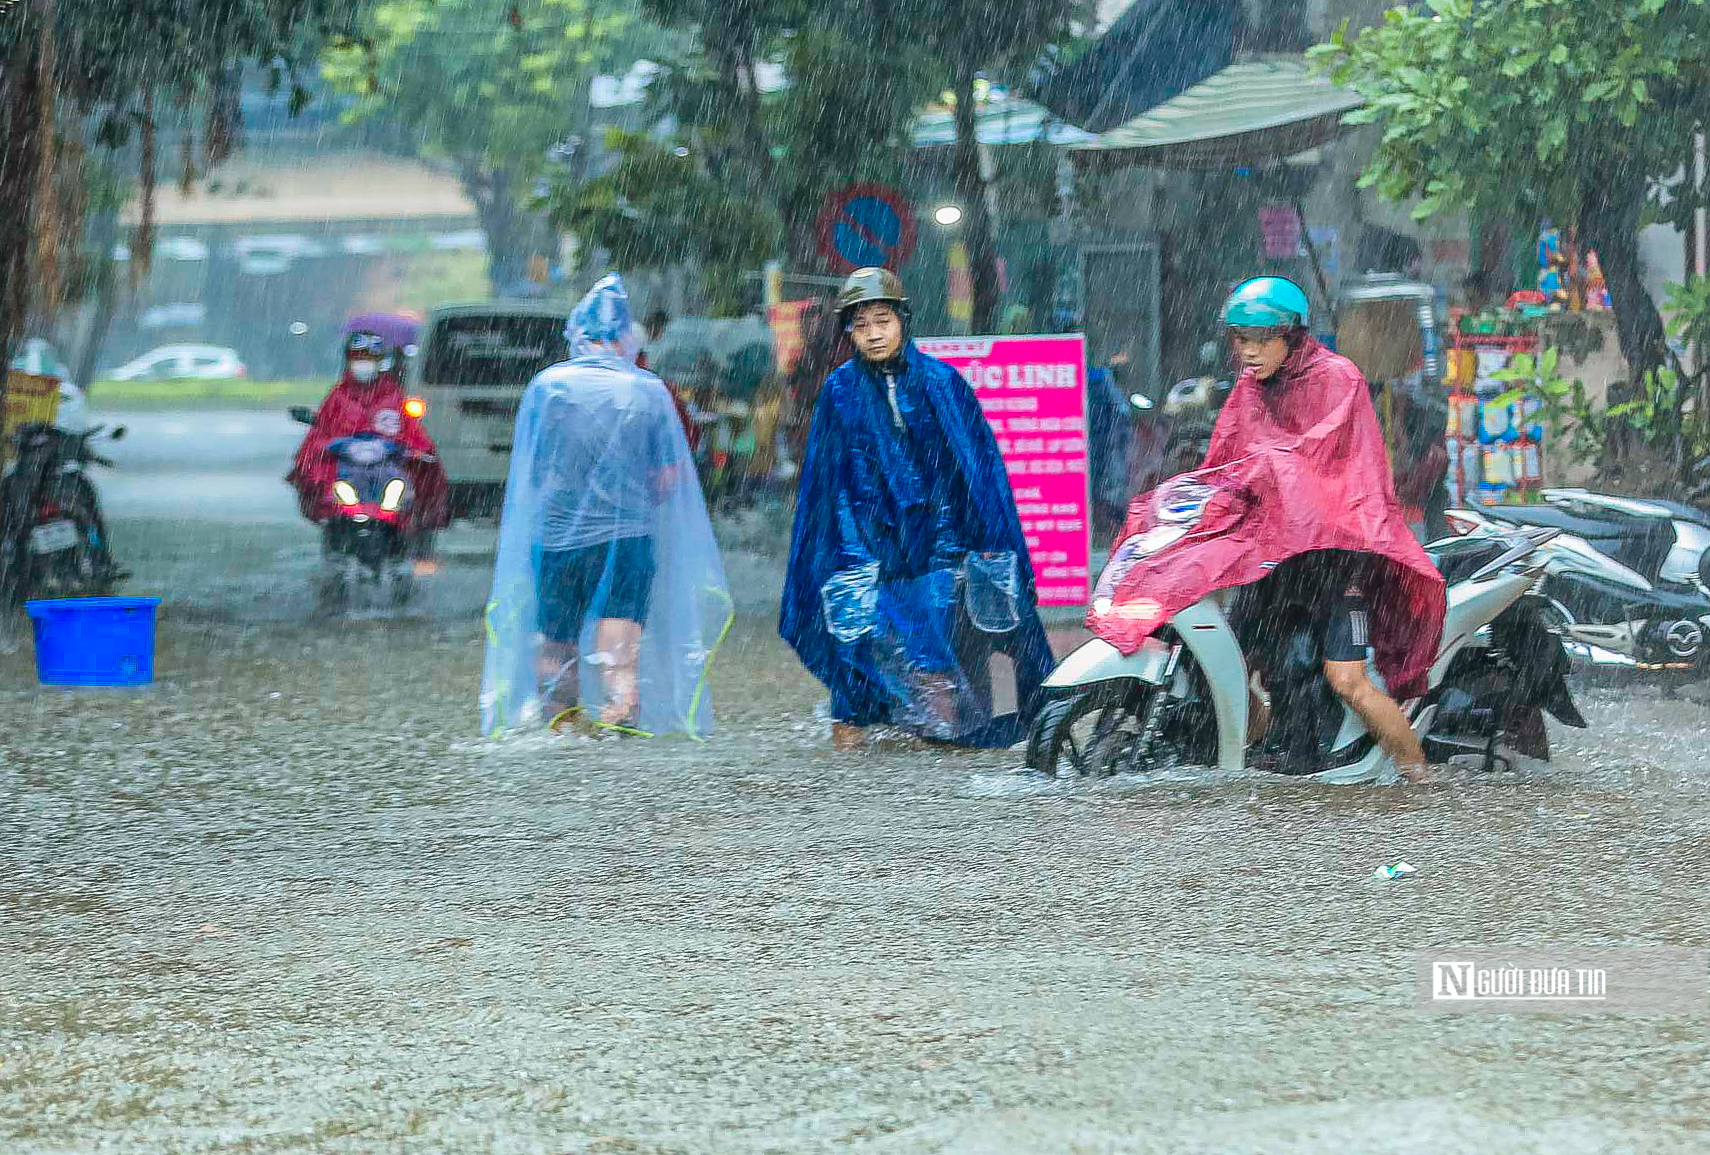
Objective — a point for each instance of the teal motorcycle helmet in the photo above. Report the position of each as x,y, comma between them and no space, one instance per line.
1267,303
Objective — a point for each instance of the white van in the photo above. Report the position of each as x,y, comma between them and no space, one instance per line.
473,364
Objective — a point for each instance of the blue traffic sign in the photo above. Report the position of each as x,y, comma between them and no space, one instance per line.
866,224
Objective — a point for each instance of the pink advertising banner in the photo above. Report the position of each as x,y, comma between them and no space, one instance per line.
1034,392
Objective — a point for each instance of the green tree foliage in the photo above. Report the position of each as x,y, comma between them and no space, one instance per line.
966,38
64,62
1542,108
742,177
857,72
1664,416
733,37
492,86
660,207
854,91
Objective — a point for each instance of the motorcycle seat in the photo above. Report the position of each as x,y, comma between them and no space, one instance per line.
1554,517
1680,511
1677,510
1640,543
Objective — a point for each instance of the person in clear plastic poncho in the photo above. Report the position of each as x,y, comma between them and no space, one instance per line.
609,599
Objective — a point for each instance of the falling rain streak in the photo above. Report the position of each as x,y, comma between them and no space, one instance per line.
900,576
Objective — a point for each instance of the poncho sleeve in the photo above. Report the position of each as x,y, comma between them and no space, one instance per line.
997,522
823,539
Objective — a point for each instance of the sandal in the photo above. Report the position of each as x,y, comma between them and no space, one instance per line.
627,728
569,718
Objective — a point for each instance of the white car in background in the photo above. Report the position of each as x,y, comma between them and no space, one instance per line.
180,363
266,256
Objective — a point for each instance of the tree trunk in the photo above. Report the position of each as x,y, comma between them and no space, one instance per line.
1609,222
971,191
106,298
20,157
513,233
582,160
749,83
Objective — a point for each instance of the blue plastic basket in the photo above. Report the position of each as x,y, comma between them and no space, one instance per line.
94,641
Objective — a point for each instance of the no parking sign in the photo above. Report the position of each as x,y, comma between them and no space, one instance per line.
866,224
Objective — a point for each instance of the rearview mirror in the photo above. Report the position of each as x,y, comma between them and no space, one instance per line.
302,413
118,433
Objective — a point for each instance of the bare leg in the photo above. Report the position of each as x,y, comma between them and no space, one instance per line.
847,737
938,698
557,670
1258,715
1381,715
620,640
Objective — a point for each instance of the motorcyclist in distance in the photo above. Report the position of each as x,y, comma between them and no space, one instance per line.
369,398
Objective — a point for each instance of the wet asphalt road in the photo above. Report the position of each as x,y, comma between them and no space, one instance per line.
225,466
285,900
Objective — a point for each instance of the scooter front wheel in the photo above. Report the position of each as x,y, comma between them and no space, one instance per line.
1076,735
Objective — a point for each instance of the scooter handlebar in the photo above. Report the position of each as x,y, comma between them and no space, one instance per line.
1521,542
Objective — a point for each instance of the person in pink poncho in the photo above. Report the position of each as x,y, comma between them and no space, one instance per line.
1300,438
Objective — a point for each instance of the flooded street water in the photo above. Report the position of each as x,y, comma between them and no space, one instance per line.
287,900
1234,368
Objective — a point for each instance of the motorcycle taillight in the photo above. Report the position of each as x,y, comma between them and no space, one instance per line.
50,509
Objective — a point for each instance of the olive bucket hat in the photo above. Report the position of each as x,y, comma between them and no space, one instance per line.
871,284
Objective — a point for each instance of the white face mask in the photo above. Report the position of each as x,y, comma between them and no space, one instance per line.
364,372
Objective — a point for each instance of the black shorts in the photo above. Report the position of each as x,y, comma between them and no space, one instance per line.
1345,632
1329,587
570,580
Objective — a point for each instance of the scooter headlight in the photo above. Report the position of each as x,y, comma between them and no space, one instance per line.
1135,549
345,492
393,497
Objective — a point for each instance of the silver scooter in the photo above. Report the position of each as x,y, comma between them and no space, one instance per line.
1626,581
1181,699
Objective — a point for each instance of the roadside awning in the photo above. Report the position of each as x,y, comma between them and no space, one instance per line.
1249,113
1011,120
1152,52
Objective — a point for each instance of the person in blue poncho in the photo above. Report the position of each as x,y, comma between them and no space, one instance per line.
907,566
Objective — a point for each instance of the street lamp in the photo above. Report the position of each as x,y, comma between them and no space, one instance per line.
947,215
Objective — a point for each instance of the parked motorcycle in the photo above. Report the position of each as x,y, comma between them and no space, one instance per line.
1192,407
1181,699
726,451
366,551
1626,580
53,539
